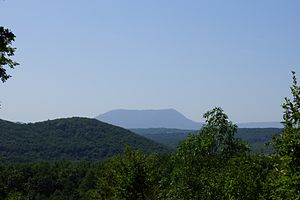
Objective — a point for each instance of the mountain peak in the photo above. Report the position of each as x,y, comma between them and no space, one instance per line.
144,110
150,118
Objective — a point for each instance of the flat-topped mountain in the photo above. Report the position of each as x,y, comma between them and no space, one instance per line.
166,118
68,139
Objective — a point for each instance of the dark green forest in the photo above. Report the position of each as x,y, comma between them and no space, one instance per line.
88,139
68,139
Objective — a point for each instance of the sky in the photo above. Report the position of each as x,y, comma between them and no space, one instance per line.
84,58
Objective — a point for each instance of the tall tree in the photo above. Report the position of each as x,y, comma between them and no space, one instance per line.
200,160
284,182
287,144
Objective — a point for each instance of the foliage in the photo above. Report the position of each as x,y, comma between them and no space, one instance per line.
244,177
200,160
134,175
6,51
287,144
216,138
285,180
57,180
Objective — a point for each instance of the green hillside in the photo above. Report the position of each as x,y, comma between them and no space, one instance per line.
68,139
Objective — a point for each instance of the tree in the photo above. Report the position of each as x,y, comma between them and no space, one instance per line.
216,138
6,51
284,182
220,133
134,175
288,143
200,160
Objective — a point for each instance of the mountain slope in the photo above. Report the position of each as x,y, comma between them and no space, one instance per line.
67,139
167,118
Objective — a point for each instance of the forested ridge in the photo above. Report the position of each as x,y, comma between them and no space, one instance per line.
68,139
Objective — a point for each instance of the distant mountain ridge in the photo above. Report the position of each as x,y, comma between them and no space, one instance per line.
256,137
261,125
165,118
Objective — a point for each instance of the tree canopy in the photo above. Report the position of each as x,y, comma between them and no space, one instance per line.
6,51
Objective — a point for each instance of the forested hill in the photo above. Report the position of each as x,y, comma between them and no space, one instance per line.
68,139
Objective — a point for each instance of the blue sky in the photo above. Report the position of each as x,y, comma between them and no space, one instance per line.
83,58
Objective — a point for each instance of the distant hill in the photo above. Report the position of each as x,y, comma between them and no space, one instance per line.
261,125
166,136
256,137
167,118
68,139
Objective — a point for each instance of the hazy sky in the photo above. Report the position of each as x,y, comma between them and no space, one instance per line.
83,58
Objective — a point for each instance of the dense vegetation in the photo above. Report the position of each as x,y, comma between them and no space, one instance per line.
68,139
256,137
210,165
214,164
